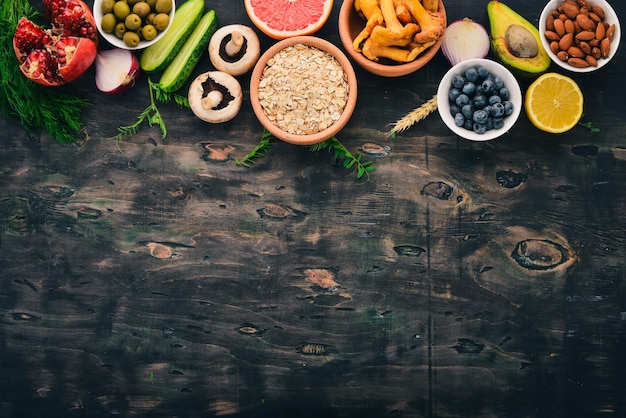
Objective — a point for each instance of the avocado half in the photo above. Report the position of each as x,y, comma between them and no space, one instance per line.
501,17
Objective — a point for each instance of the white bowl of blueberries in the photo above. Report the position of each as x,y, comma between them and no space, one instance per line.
479,99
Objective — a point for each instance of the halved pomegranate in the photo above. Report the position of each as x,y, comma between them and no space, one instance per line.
63,53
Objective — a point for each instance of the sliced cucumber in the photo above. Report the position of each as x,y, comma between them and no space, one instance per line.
158,55
179,70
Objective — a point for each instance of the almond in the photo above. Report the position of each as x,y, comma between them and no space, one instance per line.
562,55
566,41
600,32
578,62
605,47
596,53
576,52
591,60
598,11
569,25
550,23
594,17
559,27
585,35
554,47
570,9
551,36
585,47
610,31
585,23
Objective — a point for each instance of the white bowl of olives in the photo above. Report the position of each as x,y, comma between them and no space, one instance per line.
133,24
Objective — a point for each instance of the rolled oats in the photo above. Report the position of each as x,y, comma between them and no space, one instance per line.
303,90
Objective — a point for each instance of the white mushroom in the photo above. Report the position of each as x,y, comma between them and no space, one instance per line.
234,49
215,96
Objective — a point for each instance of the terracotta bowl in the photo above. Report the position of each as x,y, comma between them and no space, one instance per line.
351,24
337,125
610,17
117,42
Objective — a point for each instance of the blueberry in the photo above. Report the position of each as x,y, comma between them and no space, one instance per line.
482,72
488,86
459,120
458,81
454,109
494,99
498,123
508,107
462,100
479,101
480,116
498,82
487,109
469,88
468,124
504,93
454,93
497,110
489,123
479,128
467,111
471,74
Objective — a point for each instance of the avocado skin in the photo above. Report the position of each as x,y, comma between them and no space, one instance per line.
500,18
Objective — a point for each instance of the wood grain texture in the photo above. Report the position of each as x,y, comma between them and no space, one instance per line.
466,280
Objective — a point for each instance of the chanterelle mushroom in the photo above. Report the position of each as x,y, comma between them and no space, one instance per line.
215,96
234,49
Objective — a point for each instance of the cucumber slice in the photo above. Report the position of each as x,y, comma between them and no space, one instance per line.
158,55
179,70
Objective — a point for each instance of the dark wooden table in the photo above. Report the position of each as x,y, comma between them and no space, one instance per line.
163,280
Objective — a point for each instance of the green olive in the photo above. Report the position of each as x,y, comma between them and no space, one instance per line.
131,3
142,9
163,6
149,32
132,21
161,21
108,22
151,3
120,30
121,10
107,6
131,39
150,18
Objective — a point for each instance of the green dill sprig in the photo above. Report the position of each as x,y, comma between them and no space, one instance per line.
151,114
258,151
37,107
350,160
166,97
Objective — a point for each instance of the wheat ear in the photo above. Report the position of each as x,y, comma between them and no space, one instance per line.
414,116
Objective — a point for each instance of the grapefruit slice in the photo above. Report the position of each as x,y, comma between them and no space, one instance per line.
280,19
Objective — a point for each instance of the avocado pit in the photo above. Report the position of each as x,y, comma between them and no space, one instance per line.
520,42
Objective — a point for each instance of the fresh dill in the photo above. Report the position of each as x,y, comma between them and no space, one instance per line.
350,160
258,151
53,109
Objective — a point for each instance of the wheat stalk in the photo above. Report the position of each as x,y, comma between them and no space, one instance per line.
414,116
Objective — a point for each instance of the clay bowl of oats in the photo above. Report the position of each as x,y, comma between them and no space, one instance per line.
303,90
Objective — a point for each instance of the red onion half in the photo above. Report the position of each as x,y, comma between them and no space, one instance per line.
116,70
465,39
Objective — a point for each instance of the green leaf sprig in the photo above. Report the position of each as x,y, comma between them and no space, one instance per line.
260,150
350,161
152,114
589,125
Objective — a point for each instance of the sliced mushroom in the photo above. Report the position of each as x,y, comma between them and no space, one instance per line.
215,96
234,49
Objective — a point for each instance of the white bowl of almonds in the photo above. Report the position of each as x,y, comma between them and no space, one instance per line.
580,35
303,90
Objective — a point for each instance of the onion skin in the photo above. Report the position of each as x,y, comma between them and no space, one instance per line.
116,70
465,39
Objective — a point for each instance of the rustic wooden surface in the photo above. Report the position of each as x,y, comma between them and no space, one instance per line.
166,281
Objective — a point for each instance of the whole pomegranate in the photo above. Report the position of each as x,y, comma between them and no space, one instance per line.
62,53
